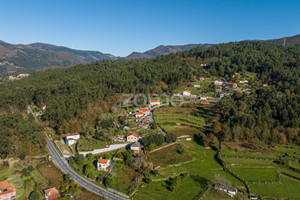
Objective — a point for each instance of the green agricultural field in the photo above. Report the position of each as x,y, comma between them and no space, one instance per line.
89,144
203,164
256,174
122,178
156,190
168,156
288,189
182,121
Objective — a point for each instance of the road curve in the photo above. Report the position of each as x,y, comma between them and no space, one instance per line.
63,165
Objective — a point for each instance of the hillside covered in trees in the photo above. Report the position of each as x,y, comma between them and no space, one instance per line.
75,92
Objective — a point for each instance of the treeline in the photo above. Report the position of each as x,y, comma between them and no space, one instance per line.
84,90
274,65
20,135
264,115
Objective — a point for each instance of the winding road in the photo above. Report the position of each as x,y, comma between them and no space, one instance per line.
63,165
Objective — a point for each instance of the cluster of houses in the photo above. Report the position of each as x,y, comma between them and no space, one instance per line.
135,146
220,85
18,77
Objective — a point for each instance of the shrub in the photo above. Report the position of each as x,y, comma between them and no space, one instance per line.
34,196
147,180
6,163
22,156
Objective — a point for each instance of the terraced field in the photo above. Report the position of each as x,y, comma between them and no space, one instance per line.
182,121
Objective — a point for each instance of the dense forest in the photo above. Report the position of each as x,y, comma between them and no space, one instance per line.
20,135
73,93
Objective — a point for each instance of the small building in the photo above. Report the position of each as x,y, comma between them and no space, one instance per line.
126,128
218,90
186,93
138,114
203,98
201,78
133,137
7,191
204,103
232,85
244,82
196,86
71,138
146,111
103,164
51,194
229,190
23,75
154,103
118,138
218,82
135,147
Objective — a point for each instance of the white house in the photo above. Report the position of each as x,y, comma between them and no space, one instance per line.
196,86
186,93
133,137
71,138
103,164
154,103
218,82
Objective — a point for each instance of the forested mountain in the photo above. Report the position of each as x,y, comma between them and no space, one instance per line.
163,50
293,40
74,95
26,58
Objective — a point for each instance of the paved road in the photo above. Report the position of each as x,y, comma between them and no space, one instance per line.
63,165
30,111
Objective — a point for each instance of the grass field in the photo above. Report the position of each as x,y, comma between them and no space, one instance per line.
181,121
156,190
288,189
50,173
89,144
122,178
168,156
256,174
252,166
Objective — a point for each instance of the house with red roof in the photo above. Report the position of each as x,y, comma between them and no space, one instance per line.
186,93
138,114
71,138
146,111
154,103
51,194
7,191
232,85
103,164
133,137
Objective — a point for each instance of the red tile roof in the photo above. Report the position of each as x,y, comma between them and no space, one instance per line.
154,101
188,91
134,134
71,134
144,109
52,193
4,185
139,113
205,103
102,161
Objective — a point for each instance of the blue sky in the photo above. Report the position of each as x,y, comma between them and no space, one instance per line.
121,27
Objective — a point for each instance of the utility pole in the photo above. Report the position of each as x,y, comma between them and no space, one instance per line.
284,41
